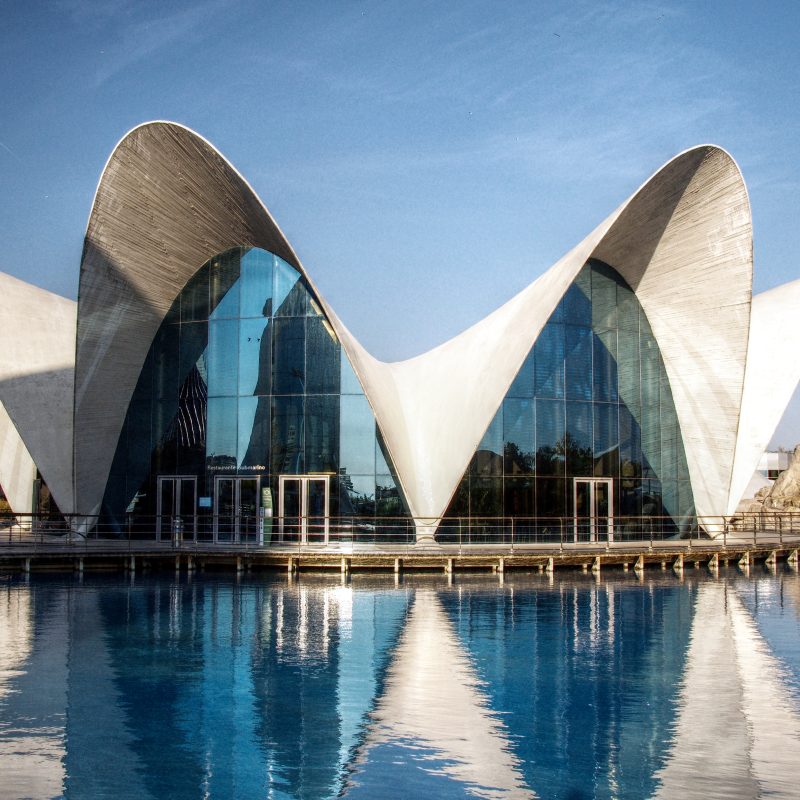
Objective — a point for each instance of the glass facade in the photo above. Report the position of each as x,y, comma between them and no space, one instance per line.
244,382
591,401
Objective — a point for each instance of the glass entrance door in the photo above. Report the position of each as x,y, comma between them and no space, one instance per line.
593,510
304,508
176,516
236,509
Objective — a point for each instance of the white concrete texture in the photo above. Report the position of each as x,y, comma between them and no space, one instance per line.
167,202
37,362
773,371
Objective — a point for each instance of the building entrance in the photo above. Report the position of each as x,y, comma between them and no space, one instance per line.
236,509
304,508
176,514
593,509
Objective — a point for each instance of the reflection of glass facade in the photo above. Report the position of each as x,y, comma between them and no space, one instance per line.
246,378
592,399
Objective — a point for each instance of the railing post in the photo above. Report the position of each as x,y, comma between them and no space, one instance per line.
512,534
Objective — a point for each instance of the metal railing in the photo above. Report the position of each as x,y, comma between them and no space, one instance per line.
353,533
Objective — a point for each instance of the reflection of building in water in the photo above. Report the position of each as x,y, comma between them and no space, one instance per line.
583,676
434,709
314,690
32,740
737,732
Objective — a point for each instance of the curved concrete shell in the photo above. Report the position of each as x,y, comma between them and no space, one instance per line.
773,372
167,202
683,242
37,362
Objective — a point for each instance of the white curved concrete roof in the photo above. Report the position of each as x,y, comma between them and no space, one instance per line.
773,372
168,201
37,362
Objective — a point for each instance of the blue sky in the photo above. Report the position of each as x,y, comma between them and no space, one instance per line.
426,160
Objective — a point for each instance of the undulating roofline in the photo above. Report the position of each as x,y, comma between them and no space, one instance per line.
168,201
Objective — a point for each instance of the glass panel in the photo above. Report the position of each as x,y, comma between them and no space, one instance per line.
630,445
255,356
651,442
256,284
551,497
628,367
605,365
627,309
290,296
387,497
221,441
167,501
357,495
630,500
669,497
165,363
288,435
459,505
194,297
486,497
518,437
523,382
578,363
289,359
188,491
577,305
357,437
193,343
222,358
651,499
549,361
322,358
291,522
583,511
316,509
518,497
188,504
602,509
322,433
349,382
488,459
580,439
604,297
550,437
254,434
606,439
224,289
670,435
226,509
248,508
381,454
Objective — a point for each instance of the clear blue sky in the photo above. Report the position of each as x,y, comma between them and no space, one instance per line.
427,160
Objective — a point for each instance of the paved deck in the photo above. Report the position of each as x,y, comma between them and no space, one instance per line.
42,552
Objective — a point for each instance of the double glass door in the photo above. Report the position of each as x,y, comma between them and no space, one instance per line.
236,511
176,515
303,508
594,509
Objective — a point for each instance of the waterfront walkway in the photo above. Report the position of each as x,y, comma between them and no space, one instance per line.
40,551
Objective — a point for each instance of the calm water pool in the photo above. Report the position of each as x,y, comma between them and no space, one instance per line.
570,688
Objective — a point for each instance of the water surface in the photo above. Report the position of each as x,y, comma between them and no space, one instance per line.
573,687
